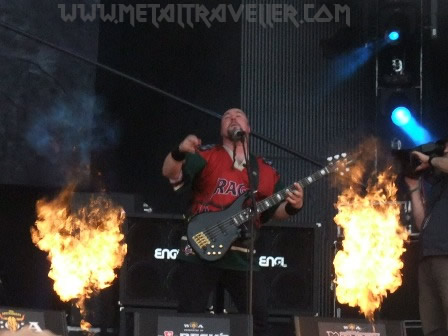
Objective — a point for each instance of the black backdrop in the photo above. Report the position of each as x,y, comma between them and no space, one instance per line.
201,65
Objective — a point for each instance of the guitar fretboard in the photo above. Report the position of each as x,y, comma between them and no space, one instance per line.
243,216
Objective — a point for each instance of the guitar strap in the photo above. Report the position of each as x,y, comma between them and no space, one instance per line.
254,176
244,241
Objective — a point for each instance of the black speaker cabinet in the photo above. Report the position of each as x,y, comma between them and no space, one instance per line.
413,328
102,309
147,274
317,326
285,255
287,258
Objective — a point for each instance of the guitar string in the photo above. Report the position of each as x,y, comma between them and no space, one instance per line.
210,232
230,222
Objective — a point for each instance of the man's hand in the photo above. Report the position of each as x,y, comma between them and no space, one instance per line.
294,202
295,198
423,159
190,144
172,166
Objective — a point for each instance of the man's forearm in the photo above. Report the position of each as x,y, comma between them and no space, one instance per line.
282,213
418,209
440,163
171,168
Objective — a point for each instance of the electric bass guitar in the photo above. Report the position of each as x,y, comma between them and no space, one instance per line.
211,234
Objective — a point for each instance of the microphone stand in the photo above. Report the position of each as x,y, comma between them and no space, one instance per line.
252,217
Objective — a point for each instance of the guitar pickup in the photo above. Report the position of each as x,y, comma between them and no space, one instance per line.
201,240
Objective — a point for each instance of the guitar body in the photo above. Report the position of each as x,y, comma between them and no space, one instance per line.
212,233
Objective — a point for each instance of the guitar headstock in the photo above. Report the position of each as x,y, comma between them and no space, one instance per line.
339,163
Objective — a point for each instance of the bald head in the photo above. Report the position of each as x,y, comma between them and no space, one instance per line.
234,119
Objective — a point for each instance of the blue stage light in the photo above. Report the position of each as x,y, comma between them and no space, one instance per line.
401,116
393,35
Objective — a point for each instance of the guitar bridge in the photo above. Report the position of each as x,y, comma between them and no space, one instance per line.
201,240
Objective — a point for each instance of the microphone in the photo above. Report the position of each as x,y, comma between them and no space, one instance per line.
237,134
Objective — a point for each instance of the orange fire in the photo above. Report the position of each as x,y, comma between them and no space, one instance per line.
84,247
369,264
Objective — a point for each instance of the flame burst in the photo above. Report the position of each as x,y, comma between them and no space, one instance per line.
84,248
369,264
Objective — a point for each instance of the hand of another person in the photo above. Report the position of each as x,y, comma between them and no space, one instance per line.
190,144
424,159
295,198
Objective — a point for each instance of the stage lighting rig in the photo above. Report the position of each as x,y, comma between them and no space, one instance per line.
398,73
399,34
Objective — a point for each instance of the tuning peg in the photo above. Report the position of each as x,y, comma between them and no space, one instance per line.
336,157
329,159
347,169
341,173
344,155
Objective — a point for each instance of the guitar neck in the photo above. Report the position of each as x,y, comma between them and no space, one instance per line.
281,195
244,215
